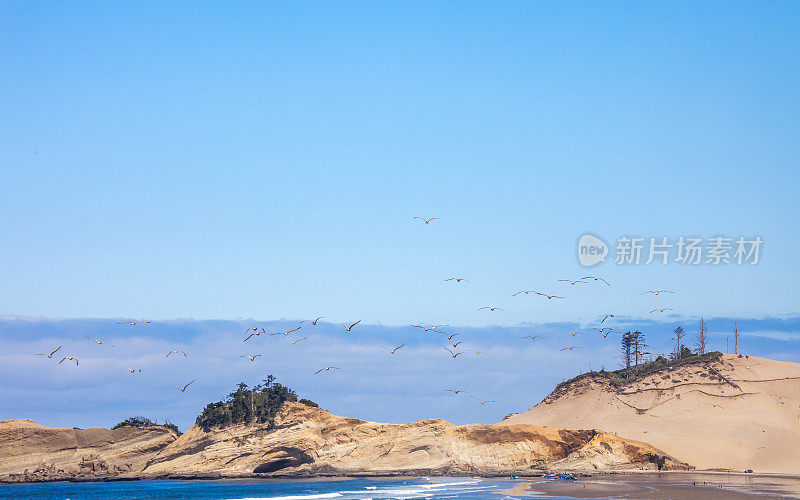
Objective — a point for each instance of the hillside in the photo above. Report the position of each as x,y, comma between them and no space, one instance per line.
730,412
308,441
33,452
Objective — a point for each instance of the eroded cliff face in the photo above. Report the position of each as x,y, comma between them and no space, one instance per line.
32,452
309,441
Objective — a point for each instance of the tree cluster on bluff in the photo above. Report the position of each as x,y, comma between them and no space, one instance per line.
246,405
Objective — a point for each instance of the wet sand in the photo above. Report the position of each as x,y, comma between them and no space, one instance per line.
665,485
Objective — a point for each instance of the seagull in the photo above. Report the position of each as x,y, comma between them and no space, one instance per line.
251,358
476,352
176,351
133,323
255,329
454,355
596,278
456,344
526,292
576,333
288,332
488,401
312,322
570,348
426,221
254,334
69,358
98,341
532,337
49,356
548,296
430,328
450,337
298,340
662,310
573,282
606,317
133,370
183,389
326,369
458,280
348,328
392,351
456,391
491,308
656,292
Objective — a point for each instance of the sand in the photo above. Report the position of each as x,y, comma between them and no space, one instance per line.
665,485
751,420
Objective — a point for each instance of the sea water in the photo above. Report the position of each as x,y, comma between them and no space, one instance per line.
360,489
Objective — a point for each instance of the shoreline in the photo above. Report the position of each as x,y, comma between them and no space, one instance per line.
581,475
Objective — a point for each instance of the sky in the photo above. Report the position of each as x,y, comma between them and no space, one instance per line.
230,161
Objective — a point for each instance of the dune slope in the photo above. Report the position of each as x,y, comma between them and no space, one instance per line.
735,413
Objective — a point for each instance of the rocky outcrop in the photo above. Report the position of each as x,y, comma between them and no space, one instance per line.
32,452
310,441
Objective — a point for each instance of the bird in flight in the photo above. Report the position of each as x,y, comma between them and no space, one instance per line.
348,328
287,332
176,351
457,391
98,341
392,351
458,280
134,370
526,292
251,358
255,333
656,292
326,369
69,358
548,296
312,322
430,328
570,348
573,282
576,333
532,337
426,221
133,323
450,337
488,401
456,344
454,355
183,389
255,329
491,308
298,340
662,310
606,317
49,356
596,278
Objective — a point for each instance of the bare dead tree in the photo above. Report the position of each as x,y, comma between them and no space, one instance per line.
701,337
736,337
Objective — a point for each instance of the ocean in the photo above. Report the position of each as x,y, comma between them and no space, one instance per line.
360,489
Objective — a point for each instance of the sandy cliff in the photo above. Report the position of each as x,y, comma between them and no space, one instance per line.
32,452
736,413
309,440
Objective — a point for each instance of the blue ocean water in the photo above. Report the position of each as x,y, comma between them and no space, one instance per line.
360,489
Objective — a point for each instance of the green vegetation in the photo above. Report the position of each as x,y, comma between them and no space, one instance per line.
244,405
625,376
140,421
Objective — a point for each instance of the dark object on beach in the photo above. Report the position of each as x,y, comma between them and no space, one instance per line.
748,471
563,477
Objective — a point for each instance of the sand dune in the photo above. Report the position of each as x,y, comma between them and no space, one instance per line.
736,413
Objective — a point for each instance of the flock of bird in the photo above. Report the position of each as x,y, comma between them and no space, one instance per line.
451,347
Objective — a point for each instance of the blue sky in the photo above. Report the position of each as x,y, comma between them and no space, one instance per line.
230,161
